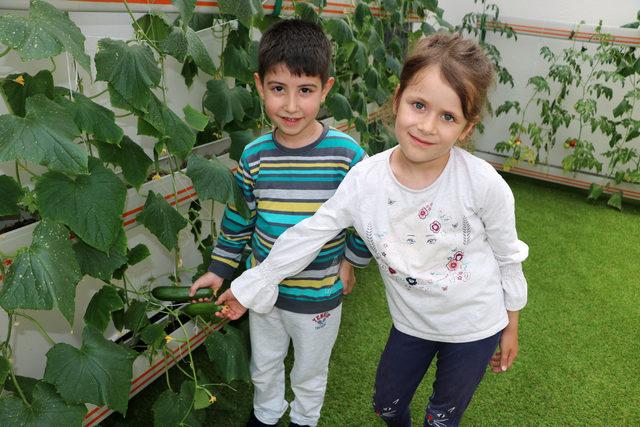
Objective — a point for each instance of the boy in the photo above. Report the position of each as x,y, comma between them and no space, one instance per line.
285,176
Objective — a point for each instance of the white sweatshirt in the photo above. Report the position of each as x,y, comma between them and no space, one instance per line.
449,254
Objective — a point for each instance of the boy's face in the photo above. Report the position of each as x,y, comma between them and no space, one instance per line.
292,103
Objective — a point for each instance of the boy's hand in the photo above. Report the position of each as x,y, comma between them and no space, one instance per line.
347,276
503,358
233,310
207,280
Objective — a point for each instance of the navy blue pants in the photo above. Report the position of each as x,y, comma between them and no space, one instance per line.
403,364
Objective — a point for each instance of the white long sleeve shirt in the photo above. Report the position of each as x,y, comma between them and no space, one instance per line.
449,255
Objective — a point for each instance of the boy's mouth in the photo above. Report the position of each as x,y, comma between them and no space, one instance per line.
290,121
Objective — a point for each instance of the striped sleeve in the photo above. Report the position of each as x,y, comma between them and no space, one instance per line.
356,252
235,230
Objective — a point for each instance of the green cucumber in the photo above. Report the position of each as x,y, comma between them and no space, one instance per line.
179,293
204,309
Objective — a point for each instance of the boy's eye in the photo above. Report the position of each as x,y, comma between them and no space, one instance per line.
277,89
306,90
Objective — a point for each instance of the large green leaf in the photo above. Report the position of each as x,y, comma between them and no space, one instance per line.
135,255
176,44
5,368
45,274
101,306
186,8
195,118
90,205
131,158
339,30
46,409
135,318
99,372
339,107
170,128
226,104
45,136
155,27
197,51
229,352
92,118
16,88
153,335
237,63
99,264
131,70
170,409
47,32
162,220
11,193
244,10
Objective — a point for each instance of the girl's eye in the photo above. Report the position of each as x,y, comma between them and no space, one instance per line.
448,118
419,105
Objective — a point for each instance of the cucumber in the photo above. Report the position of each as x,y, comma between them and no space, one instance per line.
179,293
204,309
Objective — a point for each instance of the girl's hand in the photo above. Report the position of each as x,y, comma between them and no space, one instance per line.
504,357
347,276
233,310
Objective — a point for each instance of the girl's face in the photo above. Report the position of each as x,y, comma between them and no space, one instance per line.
429,120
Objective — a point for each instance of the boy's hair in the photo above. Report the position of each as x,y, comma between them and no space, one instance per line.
300,45
463,65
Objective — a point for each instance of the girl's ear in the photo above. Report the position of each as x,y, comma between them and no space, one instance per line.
468,129
396,100
256,78
327,87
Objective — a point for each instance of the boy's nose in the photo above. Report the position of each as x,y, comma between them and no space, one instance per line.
291,105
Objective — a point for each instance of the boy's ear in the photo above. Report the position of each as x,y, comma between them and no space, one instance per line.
256,78
327,87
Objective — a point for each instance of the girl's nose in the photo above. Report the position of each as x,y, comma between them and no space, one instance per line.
428,124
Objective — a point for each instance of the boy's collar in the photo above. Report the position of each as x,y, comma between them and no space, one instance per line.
307,147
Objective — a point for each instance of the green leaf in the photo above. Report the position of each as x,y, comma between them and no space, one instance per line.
372,79
189,71
170,409
153,335
178,137
186,8
46,33
99,372
91,205
616,200
135,318
11,194
201,399
45,136
155,27
239,140
229,352
131,158
339,31
195,118
198,52
135,255
226,104
175,44
237,63
162,220
92,118
244,10
45,274
47,408
105,301
306,12
16,92
339,107
131,70
99,264
5,368
361,12
622,108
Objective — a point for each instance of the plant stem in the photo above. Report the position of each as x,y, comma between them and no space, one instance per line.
29,171
4,52
98,94
54,66
6,346
18,174
39,326
17,386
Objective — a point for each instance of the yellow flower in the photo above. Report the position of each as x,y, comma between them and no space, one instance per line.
164,152
19,80
212,399
168,339
156,177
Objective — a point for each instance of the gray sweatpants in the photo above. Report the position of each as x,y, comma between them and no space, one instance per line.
313,336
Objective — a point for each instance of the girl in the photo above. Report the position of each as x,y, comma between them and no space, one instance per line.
440,223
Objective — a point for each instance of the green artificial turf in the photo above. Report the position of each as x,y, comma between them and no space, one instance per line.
579,361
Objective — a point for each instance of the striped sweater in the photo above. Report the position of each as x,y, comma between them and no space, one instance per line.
283,186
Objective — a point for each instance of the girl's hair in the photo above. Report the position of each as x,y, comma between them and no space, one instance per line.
463,65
